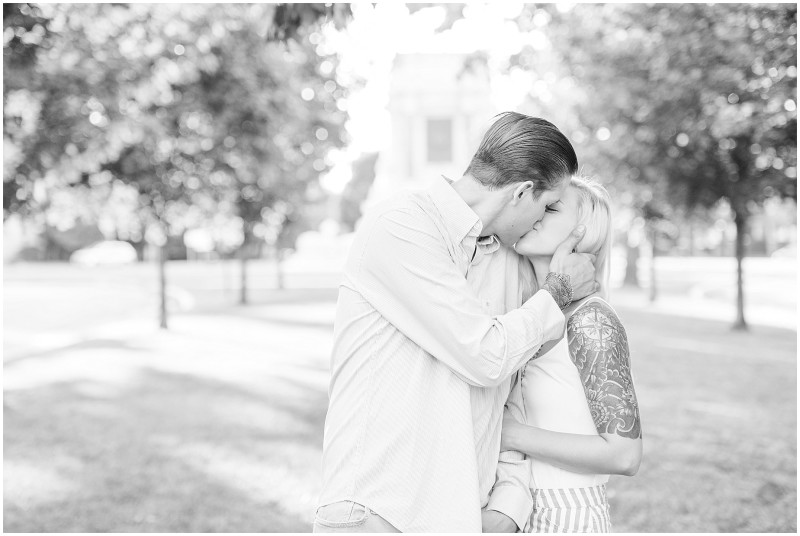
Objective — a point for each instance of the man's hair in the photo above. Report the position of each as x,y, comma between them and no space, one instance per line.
519,148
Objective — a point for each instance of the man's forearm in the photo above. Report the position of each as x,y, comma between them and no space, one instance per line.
444,316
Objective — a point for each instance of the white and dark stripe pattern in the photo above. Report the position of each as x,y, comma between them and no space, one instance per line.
570,510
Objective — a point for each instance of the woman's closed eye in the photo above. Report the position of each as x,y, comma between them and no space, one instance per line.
552,207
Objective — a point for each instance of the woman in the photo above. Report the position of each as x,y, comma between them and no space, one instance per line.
573,409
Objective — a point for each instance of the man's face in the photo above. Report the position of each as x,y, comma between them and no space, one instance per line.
520,218
559,221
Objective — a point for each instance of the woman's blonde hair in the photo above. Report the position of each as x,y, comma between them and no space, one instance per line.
594,211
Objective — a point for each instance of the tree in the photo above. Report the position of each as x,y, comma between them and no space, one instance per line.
273,110
156,98
25,33
697,98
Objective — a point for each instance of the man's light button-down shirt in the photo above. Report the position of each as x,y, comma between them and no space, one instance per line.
420,349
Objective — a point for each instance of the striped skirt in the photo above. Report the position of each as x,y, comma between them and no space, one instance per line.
570,510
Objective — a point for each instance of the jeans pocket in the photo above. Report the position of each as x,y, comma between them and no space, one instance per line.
343,514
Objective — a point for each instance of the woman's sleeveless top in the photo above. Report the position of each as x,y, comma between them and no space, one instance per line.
554,399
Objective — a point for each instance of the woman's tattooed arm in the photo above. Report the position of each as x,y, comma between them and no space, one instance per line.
598,346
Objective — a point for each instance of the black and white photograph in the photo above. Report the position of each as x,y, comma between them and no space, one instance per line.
388,267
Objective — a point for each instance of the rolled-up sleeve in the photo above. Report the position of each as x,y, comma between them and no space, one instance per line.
409,275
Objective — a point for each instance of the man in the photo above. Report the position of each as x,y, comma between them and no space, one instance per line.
423,349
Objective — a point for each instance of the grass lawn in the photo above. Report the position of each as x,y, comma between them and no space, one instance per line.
216,425
719,417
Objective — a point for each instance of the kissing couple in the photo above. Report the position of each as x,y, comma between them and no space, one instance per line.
480,380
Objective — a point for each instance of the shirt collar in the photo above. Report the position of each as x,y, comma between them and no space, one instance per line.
483,246
459,219
489,244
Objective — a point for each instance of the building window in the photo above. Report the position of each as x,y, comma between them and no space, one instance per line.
440,140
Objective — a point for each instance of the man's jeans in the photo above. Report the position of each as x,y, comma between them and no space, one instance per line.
349,516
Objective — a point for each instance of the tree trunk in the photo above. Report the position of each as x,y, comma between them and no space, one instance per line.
770,244
279,267
741,222
243,255
139,247
227,284
653,239
631,277
162,286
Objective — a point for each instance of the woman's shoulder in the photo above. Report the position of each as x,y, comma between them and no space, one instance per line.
594,314
594,301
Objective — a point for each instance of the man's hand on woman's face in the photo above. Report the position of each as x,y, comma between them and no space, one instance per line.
578,266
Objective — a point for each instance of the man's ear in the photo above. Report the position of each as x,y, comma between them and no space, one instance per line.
521,190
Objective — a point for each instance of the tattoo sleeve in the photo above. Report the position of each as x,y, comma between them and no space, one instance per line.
598,346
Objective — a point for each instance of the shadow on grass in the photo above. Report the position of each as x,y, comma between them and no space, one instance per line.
262,301
167,452
709,337
719,413
293,322
224,300
187,452
92,344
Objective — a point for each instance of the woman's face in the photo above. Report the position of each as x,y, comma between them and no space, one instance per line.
559,220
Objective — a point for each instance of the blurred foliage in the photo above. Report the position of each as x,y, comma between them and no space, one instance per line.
682,105
691,103
206,110
24,29
290,18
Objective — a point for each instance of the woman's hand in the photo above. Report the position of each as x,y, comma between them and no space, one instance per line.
509,433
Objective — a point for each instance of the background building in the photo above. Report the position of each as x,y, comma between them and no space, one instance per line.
440,105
